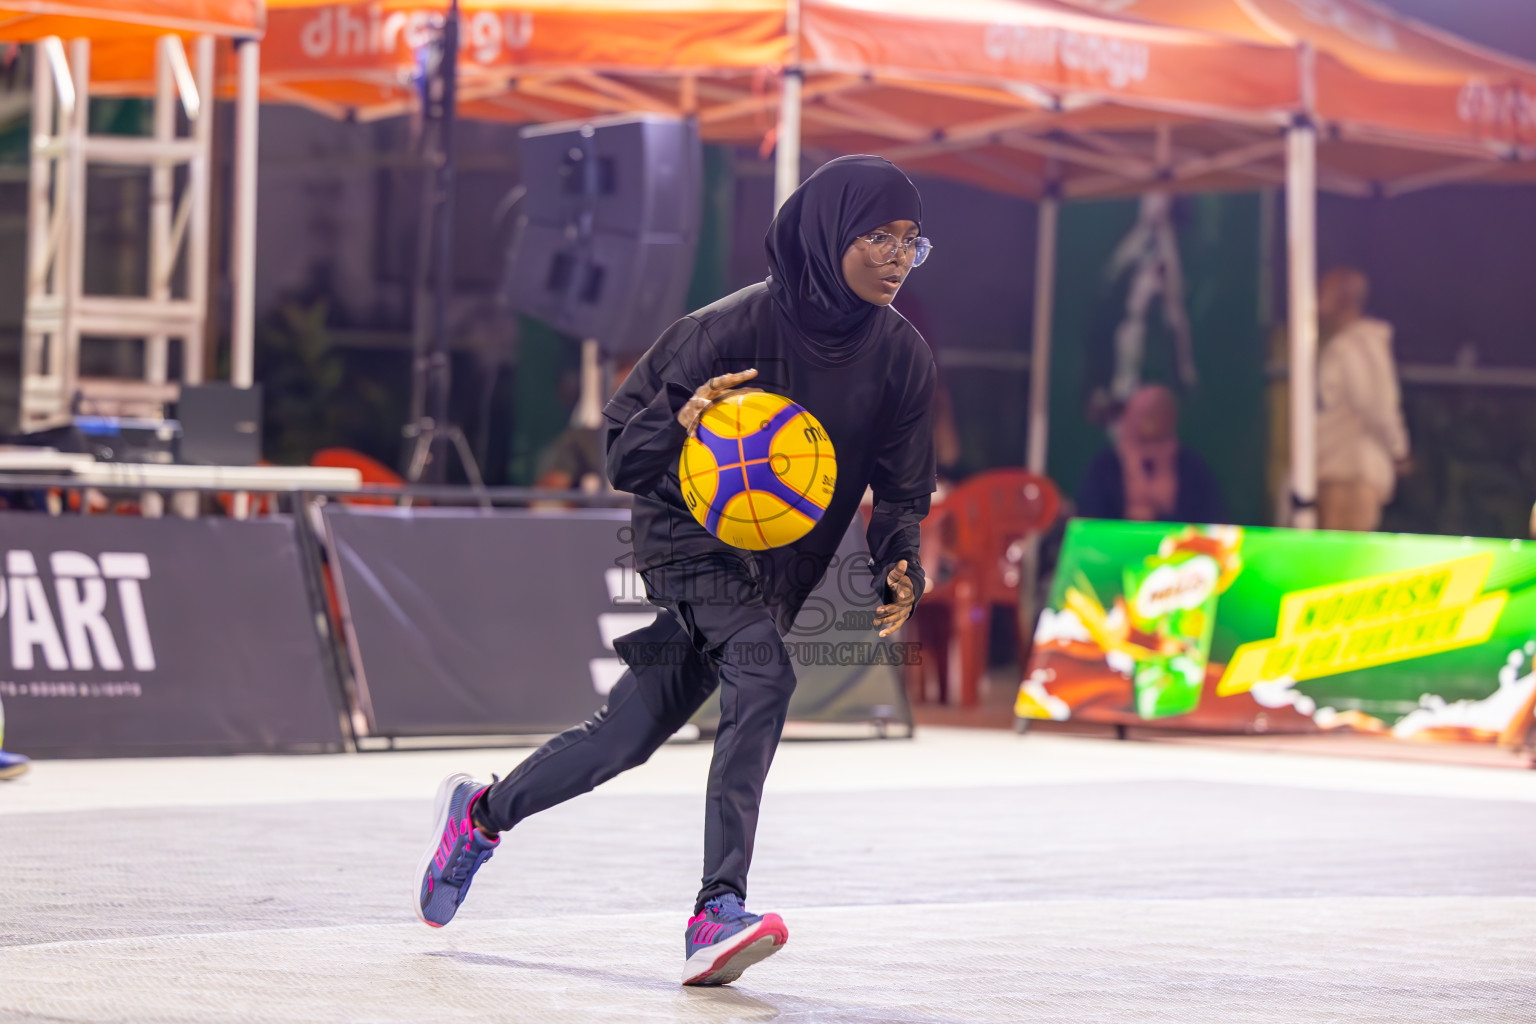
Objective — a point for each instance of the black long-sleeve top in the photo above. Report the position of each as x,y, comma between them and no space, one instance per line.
872,394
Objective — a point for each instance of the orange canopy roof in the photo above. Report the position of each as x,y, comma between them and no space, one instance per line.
1050,50
1103,95
29,20
358,58
893,69
1375,72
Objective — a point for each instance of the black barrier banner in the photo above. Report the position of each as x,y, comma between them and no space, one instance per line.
125,636
464,622
844,672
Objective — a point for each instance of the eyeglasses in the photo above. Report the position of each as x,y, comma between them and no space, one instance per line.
885,247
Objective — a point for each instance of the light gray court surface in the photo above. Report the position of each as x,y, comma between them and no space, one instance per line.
960,877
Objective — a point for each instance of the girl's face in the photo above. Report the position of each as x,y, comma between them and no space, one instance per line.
875,270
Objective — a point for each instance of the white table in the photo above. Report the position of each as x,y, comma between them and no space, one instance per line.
41,460
234,478
154,478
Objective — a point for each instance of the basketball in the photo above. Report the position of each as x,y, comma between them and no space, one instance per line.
760,471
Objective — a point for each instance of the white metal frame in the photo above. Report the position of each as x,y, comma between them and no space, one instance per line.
243,229
58,311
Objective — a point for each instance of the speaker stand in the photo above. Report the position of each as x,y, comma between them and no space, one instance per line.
427,435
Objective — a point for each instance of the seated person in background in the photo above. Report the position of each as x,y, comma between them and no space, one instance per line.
1146,475
573,462
576,459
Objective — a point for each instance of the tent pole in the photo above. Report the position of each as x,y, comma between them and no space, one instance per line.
439,365
72,240
1301,235
242,349
1040,351
161,182
786,171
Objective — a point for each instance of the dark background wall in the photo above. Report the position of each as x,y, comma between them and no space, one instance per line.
1451,268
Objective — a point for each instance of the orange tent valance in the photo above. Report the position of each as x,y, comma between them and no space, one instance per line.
326,39
358,58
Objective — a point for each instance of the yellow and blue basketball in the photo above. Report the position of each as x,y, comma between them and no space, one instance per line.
760,472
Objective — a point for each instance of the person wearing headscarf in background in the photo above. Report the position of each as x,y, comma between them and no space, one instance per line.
1146,475
821,332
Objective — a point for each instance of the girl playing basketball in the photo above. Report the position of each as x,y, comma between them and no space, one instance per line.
821,332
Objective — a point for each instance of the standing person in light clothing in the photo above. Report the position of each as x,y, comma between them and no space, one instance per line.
1362,443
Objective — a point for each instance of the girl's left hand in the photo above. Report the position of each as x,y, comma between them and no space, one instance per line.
889,617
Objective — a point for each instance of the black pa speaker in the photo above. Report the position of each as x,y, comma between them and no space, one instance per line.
605,239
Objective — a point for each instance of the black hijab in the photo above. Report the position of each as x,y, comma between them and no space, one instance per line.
843,199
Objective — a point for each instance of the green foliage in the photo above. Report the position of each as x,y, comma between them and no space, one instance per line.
545,391
114,115
318,396
16,141
1474,470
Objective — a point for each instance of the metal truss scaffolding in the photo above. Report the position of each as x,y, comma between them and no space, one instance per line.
59,313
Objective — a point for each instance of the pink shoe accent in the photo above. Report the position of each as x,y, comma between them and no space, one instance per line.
469,814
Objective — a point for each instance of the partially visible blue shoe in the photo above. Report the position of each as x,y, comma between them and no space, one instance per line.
12,765
457,851
723,940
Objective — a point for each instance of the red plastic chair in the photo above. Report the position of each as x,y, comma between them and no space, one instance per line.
257,504
973,546
373,471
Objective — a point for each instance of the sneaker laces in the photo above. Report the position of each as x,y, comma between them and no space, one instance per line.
466,860
728,909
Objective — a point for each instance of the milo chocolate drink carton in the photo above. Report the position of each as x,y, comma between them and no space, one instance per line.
1171,601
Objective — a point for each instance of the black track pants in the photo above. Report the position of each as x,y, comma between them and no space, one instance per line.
675,664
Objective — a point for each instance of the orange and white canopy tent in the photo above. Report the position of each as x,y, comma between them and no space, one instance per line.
1376,74
875,74
1400,105
1070,69
1387,106
123,32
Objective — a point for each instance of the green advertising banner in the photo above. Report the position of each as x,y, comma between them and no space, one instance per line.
1269,630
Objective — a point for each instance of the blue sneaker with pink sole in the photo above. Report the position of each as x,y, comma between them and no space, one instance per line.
13,766
456,853
723,940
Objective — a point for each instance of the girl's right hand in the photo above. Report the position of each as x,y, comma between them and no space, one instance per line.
717,388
